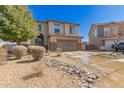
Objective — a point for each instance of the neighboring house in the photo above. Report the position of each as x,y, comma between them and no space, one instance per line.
104,35
54,34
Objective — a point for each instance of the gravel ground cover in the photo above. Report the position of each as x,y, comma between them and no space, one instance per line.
19,74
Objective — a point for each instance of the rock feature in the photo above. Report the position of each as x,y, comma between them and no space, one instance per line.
85,77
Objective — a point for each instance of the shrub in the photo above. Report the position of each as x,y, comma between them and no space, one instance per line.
19,51
29,50
3,55
59,51
39,67
37,52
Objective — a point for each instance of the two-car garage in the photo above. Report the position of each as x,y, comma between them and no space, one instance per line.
67,45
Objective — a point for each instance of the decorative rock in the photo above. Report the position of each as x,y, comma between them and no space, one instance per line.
86,78
89,80
73,81
92,76
85,85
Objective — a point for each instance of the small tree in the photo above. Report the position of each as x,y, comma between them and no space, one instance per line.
121,31
16,24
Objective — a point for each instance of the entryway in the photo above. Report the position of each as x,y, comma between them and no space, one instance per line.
40,40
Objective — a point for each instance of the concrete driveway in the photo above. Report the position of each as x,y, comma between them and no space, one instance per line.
110,63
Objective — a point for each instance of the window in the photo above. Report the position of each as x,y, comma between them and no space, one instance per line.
57,29
40,28
95,32
106,32
71,31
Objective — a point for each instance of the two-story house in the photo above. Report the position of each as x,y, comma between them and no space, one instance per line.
54,34
104,35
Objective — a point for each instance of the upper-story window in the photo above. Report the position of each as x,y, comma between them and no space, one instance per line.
106,32
95,33
71,31
57,28
40,28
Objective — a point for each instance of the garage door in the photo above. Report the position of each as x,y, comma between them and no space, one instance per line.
109,43
67,45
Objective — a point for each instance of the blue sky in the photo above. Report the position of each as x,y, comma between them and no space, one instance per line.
85,15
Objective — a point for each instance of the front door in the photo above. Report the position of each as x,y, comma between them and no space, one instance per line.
40,40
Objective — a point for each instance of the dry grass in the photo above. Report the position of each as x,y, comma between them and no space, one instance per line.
19,73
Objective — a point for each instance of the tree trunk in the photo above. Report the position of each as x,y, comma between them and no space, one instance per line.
18,42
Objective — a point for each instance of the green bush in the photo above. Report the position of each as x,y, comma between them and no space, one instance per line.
19,51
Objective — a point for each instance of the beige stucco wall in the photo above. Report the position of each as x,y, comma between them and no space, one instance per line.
44,31
67,30
48,30
94,40
64,28
76,30
50,27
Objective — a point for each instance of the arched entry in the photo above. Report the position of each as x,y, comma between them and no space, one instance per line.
40,40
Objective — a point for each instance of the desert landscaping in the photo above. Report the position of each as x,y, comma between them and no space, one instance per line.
52,70
63,70
55,53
